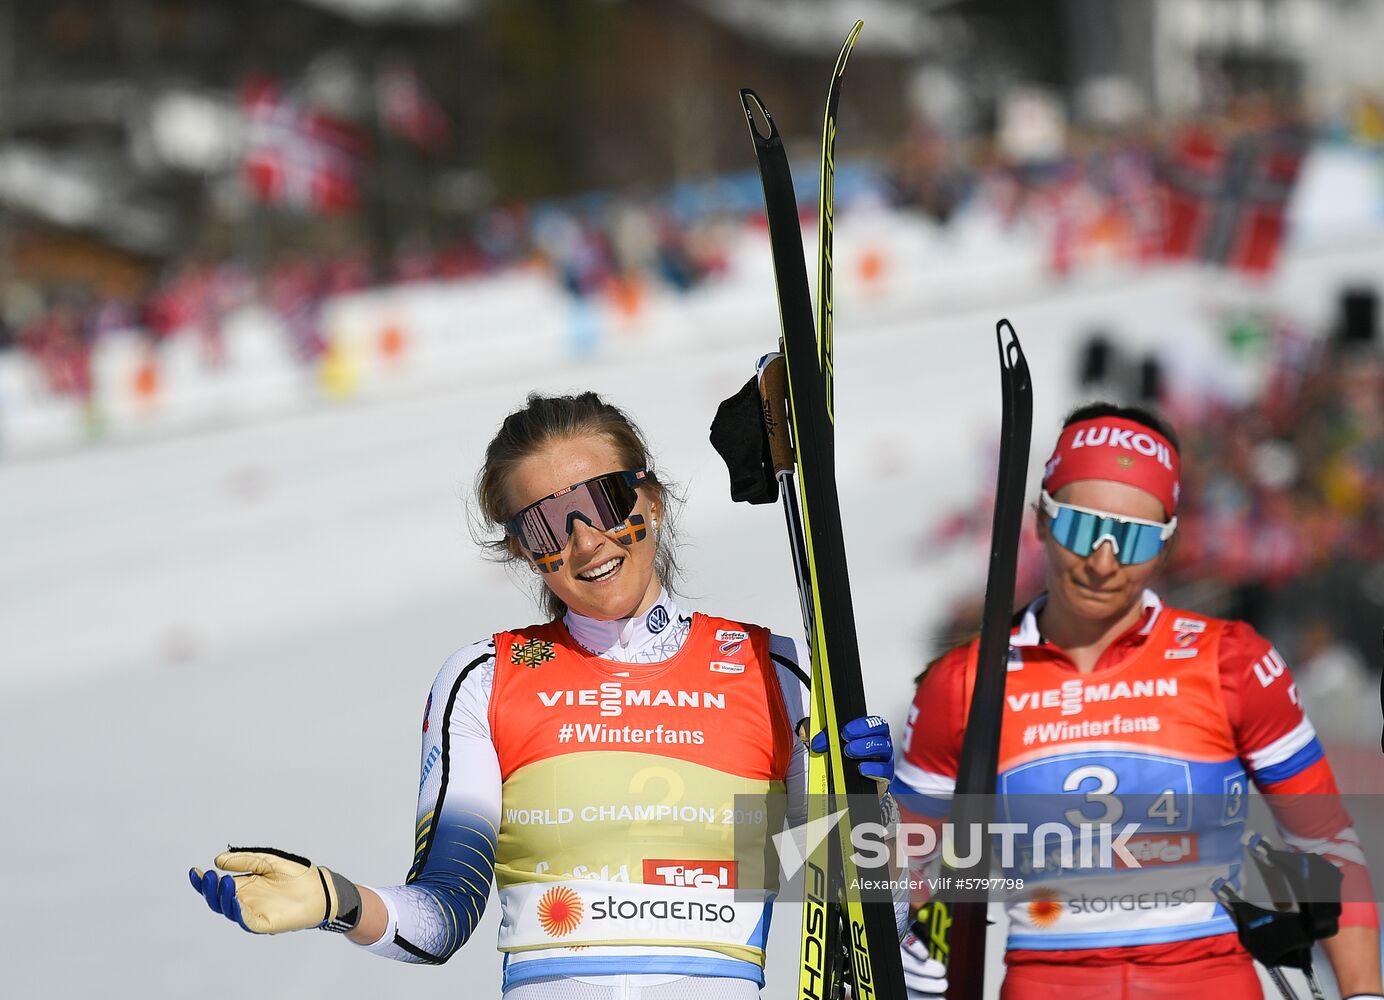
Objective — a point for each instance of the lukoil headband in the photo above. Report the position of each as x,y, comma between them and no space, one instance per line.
1118,450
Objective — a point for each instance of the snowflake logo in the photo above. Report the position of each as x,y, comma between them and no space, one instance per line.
532,653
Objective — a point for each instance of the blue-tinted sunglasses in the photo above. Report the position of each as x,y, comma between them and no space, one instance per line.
1081,530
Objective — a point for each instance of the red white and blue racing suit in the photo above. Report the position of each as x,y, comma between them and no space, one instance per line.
1180,715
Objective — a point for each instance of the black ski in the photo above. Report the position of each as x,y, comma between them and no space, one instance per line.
955,929
838,691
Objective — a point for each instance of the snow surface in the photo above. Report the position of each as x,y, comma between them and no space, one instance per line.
229,637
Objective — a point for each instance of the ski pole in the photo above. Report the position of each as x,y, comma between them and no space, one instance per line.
1284,987
1270,937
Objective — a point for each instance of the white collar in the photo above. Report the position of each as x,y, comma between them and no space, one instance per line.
1027,633
648,638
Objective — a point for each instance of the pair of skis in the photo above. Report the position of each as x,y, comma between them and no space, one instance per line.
844,940
849,947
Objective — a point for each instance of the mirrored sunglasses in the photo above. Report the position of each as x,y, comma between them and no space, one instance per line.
1081,531
603,502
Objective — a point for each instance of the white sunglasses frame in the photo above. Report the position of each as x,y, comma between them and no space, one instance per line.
1050,507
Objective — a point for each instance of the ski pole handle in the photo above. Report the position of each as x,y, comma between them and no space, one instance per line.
773,396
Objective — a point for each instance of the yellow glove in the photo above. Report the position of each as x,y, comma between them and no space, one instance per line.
270,891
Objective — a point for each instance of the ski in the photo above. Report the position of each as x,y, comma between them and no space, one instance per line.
826,209
872,967
955,929
824,956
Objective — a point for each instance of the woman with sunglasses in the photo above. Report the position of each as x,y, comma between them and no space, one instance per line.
1144,713
603,766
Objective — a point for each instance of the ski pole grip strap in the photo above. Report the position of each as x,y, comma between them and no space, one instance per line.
773,393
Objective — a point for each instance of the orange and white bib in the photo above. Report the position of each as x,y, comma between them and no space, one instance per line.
620,785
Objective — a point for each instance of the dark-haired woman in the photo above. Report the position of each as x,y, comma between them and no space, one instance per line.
599,766
1131,706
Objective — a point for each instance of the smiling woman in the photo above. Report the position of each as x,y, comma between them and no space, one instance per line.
576,469
590,765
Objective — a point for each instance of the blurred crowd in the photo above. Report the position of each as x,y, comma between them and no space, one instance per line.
1282,522
1099,200
616,250
1285,520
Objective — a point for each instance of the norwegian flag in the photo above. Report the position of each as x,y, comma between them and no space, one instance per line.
407,109
1225,200
299,156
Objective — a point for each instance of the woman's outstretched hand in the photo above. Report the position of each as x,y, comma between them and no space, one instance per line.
267,891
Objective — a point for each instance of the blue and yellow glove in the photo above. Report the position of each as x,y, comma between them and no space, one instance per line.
866,740
267,891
